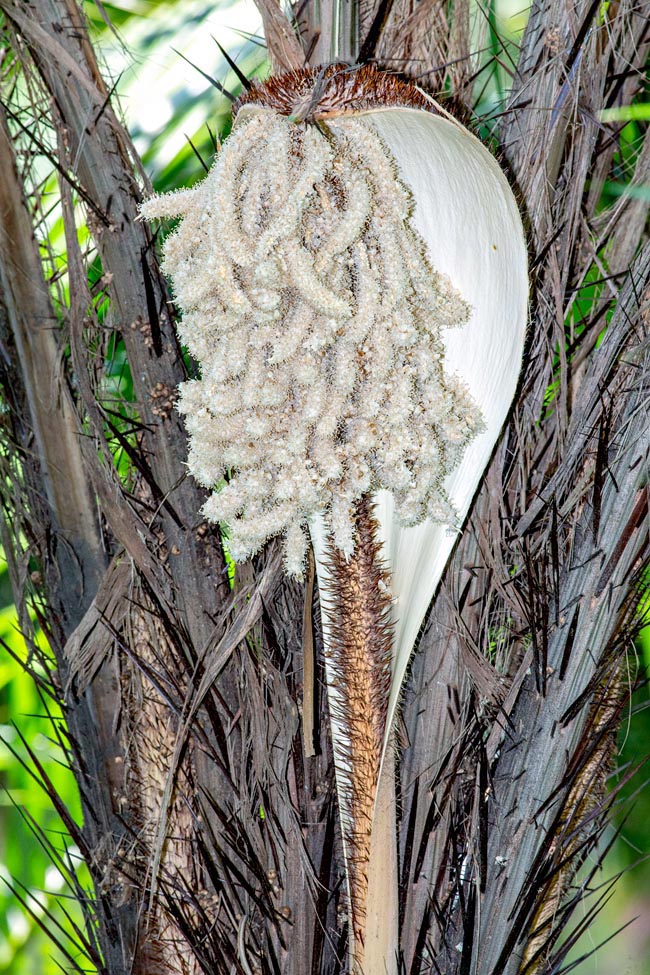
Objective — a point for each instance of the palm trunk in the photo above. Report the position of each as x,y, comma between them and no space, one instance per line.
212,834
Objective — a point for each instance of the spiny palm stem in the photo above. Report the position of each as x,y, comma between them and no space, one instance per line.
358,603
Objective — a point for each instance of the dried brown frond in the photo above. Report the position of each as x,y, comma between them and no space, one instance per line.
284,47
578,821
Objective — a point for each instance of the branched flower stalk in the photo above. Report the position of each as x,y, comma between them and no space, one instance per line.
311,301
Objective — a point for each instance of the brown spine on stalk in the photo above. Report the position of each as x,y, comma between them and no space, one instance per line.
360,655
315,94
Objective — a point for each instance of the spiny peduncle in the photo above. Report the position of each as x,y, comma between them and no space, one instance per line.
359,654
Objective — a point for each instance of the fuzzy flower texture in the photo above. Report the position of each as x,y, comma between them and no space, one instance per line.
310,304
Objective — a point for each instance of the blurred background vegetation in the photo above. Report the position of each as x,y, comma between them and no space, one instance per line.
160,57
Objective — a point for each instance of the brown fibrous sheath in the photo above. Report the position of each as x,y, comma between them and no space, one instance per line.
315,94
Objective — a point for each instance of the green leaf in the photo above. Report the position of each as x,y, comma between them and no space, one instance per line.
626,113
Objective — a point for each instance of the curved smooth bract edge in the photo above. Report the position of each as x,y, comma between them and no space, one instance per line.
466,212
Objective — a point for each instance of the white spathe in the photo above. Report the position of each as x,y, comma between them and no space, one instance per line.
467,214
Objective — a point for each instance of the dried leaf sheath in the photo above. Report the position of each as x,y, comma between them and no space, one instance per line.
151,738
572,836
357,602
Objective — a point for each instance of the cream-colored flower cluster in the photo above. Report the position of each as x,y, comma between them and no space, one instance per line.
309,302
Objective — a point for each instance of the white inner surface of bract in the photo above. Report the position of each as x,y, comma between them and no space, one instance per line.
308,298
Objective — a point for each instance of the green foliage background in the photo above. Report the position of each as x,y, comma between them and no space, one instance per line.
32,835
138,37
